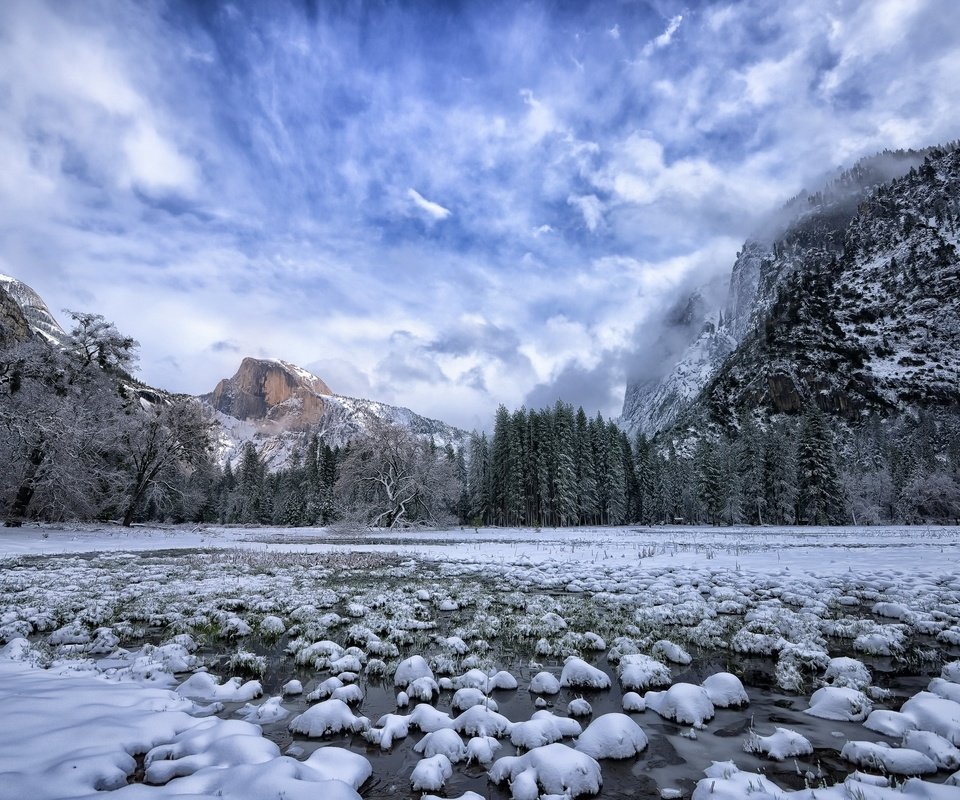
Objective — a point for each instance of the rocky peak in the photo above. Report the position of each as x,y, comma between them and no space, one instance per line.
261,388
33,309
13,324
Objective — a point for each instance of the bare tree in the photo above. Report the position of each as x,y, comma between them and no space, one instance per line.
160,443
390,477
58,408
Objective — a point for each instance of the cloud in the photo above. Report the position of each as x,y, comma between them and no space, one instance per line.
433,210
664,38
590,206
273,181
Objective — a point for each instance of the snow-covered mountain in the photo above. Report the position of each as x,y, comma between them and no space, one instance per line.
850,298
34,311
278,406
275,405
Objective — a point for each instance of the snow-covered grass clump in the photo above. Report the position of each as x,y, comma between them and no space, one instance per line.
552,769
782,743
839,703
638,672
431,773
682,702
612,736
327,718
579,674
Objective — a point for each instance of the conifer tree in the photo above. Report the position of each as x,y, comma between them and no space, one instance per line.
820,491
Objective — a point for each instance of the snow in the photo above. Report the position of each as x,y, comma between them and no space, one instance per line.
781,585
542,728
725,690
578,673
612,736
554,768
545,683
445,741
894,761
326,718
431,773
839,703
682,702
782,743
637,671
207,687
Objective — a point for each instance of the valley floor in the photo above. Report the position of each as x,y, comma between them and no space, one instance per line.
161,662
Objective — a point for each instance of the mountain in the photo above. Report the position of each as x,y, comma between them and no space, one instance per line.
275,405
278,406
21,306
849,299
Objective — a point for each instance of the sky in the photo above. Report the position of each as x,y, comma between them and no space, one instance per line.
446,206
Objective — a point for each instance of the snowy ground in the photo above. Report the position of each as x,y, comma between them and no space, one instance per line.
504,662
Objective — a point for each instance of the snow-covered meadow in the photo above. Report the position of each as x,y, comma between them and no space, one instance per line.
671,662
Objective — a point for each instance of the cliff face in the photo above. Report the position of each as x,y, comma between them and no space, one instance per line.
31,308
278,406
267,389
850,300
14,327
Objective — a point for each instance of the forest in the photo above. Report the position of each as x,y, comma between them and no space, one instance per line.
83,440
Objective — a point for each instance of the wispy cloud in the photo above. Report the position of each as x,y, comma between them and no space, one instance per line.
664,38
433,210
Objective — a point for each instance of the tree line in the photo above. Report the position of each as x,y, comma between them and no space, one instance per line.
80,438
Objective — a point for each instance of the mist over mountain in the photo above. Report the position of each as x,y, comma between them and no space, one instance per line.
847,298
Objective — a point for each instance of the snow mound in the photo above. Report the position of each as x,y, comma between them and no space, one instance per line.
389,727
945,689
940,751
445,741
633,702
481,749
429,719
410,669
839,703
327,718
725,690
934,713
578,673
578,707
552,769
204,686
683,702
671,652
544,683
638,672
612,735
782,743
468,697
890,723
269,710
541,729
847,672
480,721
892,760
431,773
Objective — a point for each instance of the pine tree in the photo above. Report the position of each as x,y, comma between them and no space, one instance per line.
587,504
565,475
710,481
820,490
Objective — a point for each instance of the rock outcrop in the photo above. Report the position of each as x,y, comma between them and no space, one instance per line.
267,389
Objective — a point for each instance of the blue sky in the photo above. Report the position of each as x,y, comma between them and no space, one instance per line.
445,206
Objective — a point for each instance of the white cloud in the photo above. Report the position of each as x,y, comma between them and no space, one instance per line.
664,38
590,206
433,210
